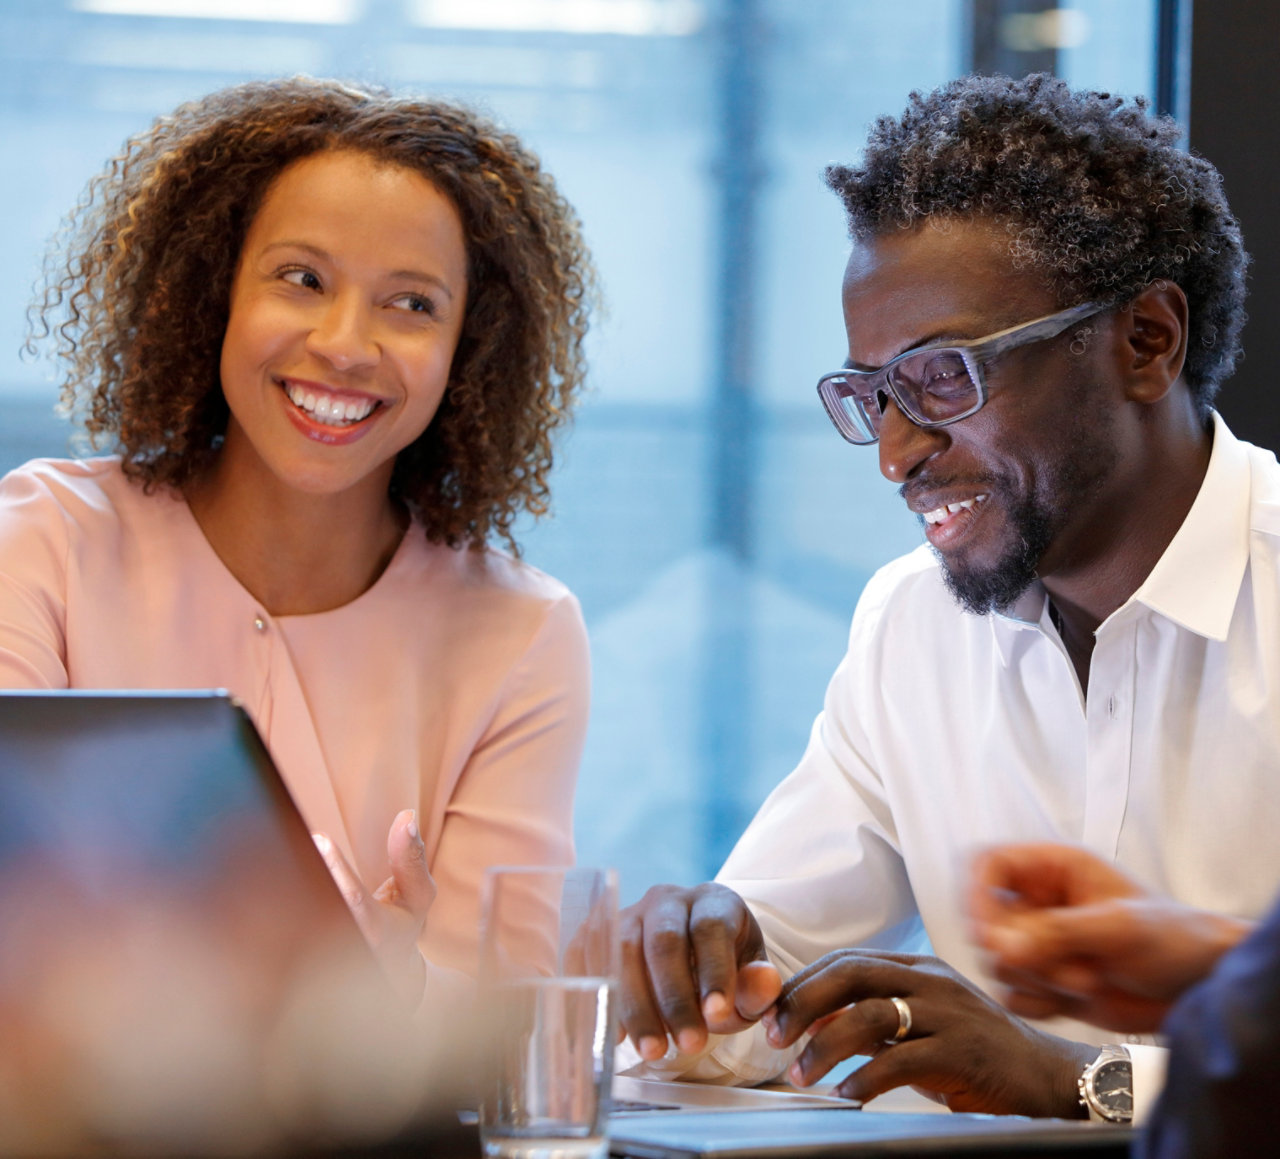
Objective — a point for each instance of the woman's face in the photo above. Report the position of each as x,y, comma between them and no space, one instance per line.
346,307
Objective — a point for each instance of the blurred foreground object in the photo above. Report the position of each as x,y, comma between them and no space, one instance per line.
178,971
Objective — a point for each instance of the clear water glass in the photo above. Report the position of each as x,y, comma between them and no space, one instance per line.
548,977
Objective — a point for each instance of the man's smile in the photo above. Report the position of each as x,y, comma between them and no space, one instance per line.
944,512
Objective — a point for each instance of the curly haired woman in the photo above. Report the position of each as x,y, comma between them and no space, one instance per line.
328,334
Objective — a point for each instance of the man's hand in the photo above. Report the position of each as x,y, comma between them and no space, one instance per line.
693,961
392,917
1070,934
961,1048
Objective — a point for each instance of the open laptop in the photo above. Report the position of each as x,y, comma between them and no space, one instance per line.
674,1120
178,970
157,798
837,1133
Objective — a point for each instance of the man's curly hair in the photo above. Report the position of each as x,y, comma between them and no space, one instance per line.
1093,191
139,304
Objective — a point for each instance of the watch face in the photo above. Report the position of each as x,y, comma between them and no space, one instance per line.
1113,1089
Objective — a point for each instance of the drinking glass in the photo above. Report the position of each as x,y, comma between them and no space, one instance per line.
548,976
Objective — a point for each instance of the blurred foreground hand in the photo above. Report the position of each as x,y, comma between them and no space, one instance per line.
1069,934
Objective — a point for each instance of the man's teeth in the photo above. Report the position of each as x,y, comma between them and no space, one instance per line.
326,409
938,514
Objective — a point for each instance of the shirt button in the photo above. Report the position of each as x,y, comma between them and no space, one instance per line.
259,624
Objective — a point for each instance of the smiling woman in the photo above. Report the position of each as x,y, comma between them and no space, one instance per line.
340,338
328,334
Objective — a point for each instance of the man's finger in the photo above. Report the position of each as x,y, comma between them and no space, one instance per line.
906,1064
860,1028
724,938
638,1015
840,979
758,987
667,951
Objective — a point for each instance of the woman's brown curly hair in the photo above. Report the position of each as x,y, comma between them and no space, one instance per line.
139,305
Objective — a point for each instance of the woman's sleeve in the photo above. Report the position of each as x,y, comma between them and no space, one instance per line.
513,804
33,570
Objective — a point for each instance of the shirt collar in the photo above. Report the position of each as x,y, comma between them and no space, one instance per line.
1196,582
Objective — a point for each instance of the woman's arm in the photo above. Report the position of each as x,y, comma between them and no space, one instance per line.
513,804
33,612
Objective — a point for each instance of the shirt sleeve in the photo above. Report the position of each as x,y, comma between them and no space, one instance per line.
513,804
1149,1063
819,865
33,584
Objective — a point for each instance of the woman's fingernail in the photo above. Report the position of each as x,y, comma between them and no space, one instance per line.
795,1074
413,825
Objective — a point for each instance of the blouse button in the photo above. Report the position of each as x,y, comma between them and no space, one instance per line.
259,624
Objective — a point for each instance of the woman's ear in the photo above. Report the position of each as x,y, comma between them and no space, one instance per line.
1155,337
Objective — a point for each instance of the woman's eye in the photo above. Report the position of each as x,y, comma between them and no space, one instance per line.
304,278
415,303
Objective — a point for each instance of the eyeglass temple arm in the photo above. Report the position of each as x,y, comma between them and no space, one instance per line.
1049,327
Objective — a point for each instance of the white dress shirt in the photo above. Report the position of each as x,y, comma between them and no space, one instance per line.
943,732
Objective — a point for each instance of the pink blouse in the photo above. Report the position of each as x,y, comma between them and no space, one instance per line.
457,685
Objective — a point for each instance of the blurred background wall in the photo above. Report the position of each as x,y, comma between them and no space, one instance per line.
716,529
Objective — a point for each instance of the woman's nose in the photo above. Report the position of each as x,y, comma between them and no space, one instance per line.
343,335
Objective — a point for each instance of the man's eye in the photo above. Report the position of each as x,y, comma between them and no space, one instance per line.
944,375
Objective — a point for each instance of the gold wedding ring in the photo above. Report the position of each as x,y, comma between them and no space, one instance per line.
904,1021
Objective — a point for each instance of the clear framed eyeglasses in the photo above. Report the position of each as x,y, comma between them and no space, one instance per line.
933,386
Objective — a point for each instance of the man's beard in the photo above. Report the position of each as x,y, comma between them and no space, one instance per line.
1087,458
994,588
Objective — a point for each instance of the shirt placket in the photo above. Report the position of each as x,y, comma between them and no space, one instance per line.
1109,716
262,644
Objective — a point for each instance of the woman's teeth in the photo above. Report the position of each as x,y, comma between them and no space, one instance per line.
326,409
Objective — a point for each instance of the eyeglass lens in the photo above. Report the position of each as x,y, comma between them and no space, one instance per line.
931,386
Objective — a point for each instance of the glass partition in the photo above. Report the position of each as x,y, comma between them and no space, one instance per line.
715,527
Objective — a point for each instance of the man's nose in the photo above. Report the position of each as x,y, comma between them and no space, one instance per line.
905,446
343,335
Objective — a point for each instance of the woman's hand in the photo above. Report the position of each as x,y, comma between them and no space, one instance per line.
393,916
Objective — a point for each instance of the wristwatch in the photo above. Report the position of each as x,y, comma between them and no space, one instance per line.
1106,1086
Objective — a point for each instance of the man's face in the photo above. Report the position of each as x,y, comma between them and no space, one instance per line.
1017,489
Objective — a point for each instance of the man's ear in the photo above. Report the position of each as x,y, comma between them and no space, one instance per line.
1154,330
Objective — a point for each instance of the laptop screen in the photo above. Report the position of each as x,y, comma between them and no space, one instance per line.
177,966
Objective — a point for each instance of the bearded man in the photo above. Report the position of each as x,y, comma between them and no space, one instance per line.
1045,293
